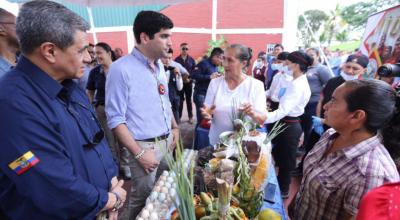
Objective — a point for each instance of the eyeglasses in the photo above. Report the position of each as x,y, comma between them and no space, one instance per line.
97,137
185,48
7,23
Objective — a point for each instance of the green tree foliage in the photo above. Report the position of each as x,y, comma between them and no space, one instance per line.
356,15
316,19
334,25
342,36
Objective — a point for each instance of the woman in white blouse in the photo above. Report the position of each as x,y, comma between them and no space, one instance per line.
234,86
291,106
279,82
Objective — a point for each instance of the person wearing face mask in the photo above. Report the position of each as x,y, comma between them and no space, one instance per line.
260,68
279,82
352,69
278,48
291,107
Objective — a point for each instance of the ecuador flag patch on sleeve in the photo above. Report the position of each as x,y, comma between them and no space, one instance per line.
24,163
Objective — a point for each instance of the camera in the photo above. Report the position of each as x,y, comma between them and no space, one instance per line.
389,70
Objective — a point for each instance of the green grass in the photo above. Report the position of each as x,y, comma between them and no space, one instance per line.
348,46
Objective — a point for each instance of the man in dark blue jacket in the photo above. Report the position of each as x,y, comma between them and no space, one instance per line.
55,162
188,62
203,73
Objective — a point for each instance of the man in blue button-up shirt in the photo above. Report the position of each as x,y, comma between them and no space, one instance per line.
54,162
138,107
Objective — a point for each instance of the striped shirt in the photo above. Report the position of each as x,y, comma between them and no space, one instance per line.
334,184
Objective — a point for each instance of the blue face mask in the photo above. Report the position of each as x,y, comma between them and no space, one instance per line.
276,66
287,71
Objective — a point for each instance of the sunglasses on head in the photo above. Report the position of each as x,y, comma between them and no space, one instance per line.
92,140
185,48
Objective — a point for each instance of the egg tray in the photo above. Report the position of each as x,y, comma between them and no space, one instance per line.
160,201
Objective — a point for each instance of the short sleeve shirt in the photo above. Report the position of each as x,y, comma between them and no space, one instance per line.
334,184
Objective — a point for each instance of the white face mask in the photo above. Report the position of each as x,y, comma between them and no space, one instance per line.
287,71
276,66
259,64
348,77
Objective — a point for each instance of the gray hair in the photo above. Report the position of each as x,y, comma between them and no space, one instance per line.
243,53
47,21
4,13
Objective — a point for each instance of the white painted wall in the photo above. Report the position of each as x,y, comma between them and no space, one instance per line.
290,18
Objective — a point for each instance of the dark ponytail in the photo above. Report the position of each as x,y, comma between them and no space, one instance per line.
381,104
302,59
108,49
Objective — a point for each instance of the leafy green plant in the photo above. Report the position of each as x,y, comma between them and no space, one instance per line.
183,177
275,131
215,43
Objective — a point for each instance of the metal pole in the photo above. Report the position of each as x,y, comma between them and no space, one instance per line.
89,10
319,44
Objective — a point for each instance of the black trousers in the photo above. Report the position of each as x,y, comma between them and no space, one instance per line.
186,94
175,108
312,140
284,152
306,120
199,99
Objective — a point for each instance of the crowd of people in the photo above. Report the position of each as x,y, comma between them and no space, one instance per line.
77,116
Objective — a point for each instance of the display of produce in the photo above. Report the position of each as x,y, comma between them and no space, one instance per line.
224,182
268,214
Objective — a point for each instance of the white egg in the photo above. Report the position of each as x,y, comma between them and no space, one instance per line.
163,178
153,216
165,173
150,207
160,183
157,188
164,190
145,213
153,196
168,185
172,193
170,180
161,197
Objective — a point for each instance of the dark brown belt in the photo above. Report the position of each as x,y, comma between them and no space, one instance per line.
289,119
159,138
